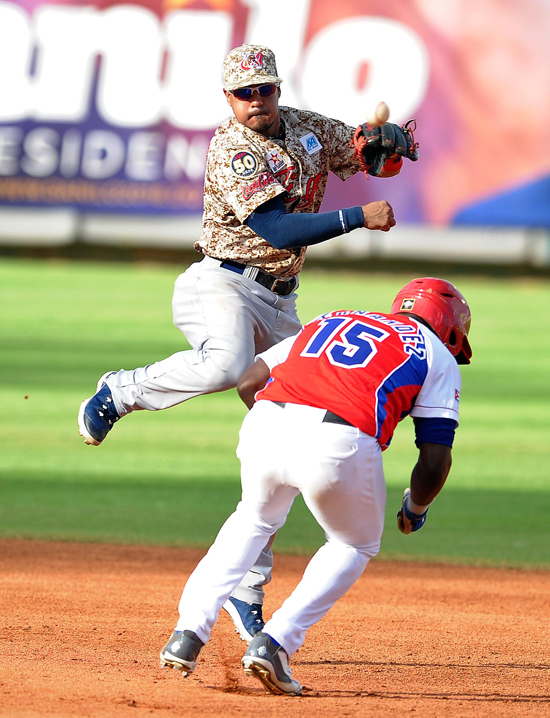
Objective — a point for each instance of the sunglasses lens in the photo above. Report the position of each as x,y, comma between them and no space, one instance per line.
245,93
266,90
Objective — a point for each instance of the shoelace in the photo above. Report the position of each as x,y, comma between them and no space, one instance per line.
256,620
110,419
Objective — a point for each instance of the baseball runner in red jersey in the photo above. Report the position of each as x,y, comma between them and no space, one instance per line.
324,406
266,174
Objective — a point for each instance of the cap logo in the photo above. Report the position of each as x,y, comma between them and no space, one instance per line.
407,304
252,61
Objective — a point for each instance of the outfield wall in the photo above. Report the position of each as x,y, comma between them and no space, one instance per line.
107,108
407,241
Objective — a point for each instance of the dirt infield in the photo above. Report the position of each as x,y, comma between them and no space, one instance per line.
82,626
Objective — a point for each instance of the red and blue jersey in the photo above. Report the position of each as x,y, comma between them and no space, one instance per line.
369,368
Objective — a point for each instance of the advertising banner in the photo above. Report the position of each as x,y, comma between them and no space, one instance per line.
108,107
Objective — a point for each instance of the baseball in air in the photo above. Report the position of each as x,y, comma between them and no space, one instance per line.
379,115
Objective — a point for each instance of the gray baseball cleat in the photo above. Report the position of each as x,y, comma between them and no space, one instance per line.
181,652
97,414
267,660
247,617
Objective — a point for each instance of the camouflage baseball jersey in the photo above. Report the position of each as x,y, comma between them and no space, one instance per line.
244,170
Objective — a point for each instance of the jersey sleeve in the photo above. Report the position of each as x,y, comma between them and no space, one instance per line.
242,177
343,162
440,393
278,353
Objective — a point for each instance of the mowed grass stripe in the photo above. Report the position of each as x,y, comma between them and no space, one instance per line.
172,477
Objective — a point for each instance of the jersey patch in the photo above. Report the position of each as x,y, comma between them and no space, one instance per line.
244,164
311,143
261,182
275,160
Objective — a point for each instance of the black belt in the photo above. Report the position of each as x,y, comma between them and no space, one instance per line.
328,418
274,284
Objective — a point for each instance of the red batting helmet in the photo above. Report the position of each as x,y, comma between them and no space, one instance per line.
443,308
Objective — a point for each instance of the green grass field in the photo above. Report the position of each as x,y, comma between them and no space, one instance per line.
172,477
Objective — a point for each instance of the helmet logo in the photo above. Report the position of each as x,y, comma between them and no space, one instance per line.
407,305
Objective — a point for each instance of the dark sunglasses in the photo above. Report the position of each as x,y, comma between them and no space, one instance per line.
245,93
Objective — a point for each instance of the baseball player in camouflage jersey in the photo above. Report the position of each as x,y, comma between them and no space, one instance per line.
323,407
266,174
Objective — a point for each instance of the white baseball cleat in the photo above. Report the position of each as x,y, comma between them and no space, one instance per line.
181,652
267,660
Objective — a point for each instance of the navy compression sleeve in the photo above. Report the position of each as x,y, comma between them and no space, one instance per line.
271,222
434,430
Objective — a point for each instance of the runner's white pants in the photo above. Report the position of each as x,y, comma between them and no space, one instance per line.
227,319
338,470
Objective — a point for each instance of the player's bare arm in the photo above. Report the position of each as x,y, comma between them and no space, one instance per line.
430,473
252,380
427,479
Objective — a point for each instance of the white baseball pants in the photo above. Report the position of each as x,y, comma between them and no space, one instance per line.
227,319
338,470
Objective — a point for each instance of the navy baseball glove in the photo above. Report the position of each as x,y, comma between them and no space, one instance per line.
407,522
373,145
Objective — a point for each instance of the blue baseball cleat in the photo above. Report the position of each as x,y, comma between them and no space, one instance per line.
247,617
97,414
